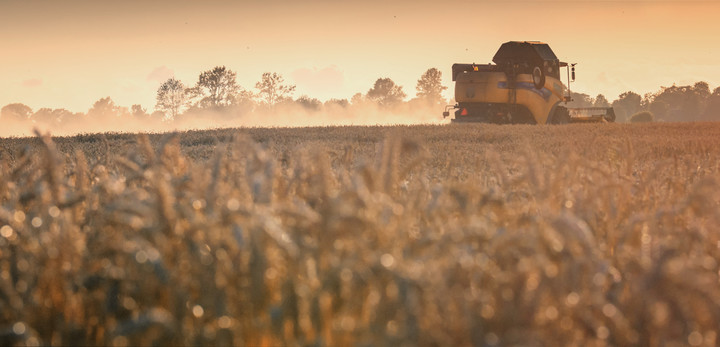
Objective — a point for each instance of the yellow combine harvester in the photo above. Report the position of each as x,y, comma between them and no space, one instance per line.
523,86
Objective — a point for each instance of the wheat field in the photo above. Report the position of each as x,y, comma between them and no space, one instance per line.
452,235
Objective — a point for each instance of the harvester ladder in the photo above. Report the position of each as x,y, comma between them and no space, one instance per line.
511,73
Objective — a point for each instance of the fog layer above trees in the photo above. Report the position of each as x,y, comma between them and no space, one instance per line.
216,100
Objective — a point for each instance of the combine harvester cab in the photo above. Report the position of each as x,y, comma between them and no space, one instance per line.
522,87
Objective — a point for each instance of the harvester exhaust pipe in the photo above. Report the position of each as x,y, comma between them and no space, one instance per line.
571,72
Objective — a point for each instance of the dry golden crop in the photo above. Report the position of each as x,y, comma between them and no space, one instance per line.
577,235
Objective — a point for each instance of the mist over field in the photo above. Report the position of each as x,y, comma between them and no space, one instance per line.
217,101
281,116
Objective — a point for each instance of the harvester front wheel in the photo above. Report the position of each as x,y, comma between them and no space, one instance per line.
610,115
561,115
538,77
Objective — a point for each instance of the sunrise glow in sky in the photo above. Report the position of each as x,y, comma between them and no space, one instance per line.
68,54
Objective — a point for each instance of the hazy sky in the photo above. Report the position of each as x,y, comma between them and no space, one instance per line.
68,54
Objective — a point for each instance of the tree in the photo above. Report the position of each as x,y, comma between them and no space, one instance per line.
601,101
337,103
680,103
105,107
272,90
702,90
171,98
138,111
627,104
661,108
53,116
244,102
580,100
357,99
309,103
701,95
217,88
157,115
712,109
386,93
642,117
44,115
16,111
429,87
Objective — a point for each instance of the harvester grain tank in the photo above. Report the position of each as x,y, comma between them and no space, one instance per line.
522,86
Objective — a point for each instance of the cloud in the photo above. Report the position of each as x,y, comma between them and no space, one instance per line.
319,81
160,74
32,83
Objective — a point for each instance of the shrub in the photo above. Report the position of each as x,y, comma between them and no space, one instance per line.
642,117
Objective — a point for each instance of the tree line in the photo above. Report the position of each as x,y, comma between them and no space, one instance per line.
670,104
216,91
